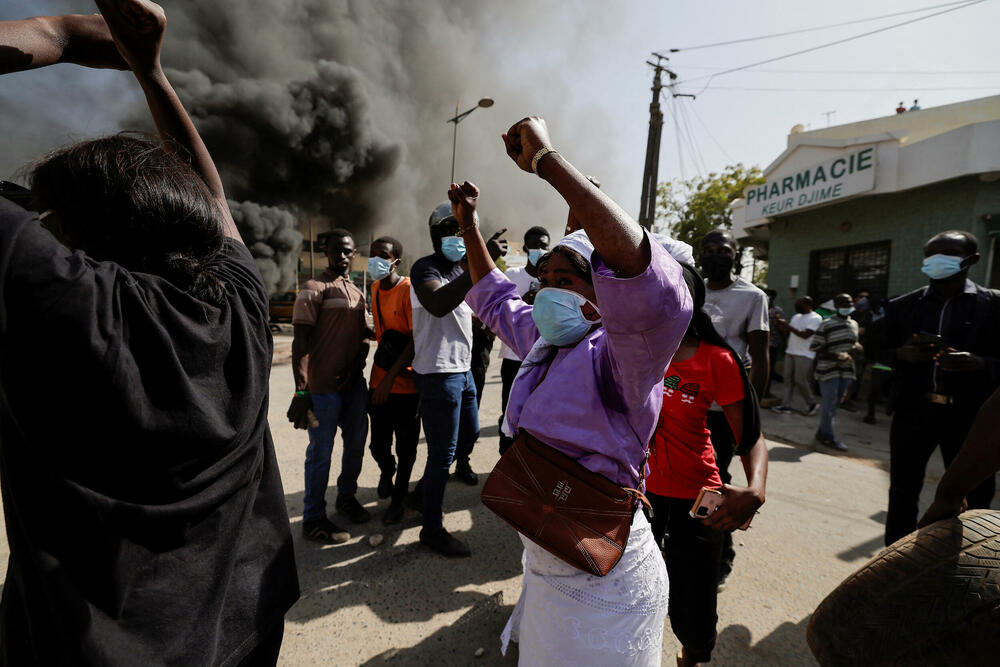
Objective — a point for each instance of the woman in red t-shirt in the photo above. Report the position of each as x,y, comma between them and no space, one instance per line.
704,370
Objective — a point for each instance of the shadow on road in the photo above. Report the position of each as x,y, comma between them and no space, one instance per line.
864,550
456,644
868,548
401,581
786,454
786,645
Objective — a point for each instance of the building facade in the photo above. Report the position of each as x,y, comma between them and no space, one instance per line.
849,208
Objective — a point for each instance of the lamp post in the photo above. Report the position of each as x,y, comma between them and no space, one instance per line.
459,117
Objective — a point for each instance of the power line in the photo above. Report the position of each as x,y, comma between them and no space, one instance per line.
695,148
848,71
821,27
849,90
677,135
829,44
694,111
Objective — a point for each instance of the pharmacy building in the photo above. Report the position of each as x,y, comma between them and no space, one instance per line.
848,208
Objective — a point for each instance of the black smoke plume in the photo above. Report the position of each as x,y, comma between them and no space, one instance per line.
335,110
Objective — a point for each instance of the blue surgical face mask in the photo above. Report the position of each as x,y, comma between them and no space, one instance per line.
939,267
845,311
535,254
379,268
453,248
558,316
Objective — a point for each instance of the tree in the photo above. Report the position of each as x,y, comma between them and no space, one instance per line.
690,209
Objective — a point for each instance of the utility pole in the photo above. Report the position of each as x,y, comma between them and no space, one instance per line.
647,207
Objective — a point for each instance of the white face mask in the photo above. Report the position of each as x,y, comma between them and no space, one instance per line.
557,314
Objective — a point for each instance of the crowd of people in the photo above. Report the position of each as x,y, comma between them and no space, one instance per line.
147,522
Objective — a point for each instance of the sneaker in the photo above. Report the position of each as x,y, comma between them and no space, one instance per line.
394,514
352,509
782,409
812,409
385,485
463,471
414,500
324,530
442,542
833,444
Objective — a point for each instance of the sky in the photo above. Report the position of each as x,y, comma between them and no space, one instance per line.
579,64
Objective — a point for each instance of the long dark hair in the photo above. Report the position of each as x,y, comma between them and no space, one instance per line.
127,200
701,327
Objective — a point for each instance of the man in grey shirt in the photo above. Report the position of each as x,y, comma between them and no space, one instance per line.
739,313
442,338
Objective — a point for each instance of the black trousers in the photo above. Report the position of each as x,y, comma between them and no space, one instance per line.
693,553
876,390
508,371
724,445
400,415
482,346
917,430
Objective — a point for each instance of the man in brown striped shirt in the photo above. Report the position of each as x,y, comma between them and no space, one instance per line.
328,360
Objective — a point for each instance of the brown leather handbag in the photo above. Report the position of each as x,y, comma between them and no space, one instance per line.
577,515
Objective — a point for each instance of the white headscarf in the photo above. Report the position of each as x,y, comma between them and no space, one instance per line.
580,242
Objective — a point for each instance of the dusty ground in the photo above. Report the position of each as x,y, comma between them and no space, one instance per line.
401,604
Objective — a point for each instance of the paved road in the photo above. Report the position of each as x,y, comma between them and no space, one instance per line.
405,605
399,603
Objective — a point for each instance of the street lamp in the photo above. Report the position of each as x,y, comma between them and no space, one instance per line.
459,117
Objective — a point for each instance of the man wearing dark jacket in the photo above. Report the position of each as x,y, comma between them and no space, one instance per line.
944,340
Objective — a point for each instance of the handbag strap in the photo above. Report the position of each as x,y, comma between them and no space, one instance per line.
378,307
639,495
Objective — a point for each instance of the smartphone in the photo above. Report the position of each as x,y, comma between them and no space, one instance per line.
708,501
929,340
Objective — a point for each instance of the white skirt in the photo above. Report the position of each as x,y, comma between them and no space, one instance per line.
568,617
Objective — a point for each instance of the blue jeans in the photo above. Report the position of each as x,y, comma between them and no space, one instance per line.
451,421
832,391
348,410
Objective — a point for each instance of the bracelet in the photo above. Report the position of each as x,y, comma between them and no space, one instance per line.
462,231
302,393
542,152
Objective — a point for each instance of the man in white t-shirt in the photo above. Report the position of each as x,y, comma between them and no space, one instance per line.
536,244
442,355
798,356
739,313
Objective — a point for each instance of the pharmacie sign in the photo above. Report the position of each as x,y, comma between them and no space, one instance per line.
836,178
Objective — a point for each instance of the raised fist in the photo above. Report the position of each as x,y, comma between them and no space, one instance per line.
137,27
464,198
524,139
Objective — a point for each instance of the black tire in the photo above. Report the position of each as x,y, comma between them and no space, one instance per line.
932,598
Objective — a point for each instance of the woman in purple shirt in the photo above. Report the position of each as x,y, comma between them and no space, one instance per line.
596,344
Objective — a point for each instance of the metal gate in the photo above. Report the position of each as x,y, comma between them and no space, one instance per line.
850,269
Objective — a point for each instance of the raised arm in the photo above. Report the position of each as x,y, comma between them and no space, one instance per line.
137,27
439,298
464,199
49,40
619,239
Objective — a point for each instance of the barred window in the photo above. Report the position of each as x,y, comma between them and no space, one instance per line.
850,269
